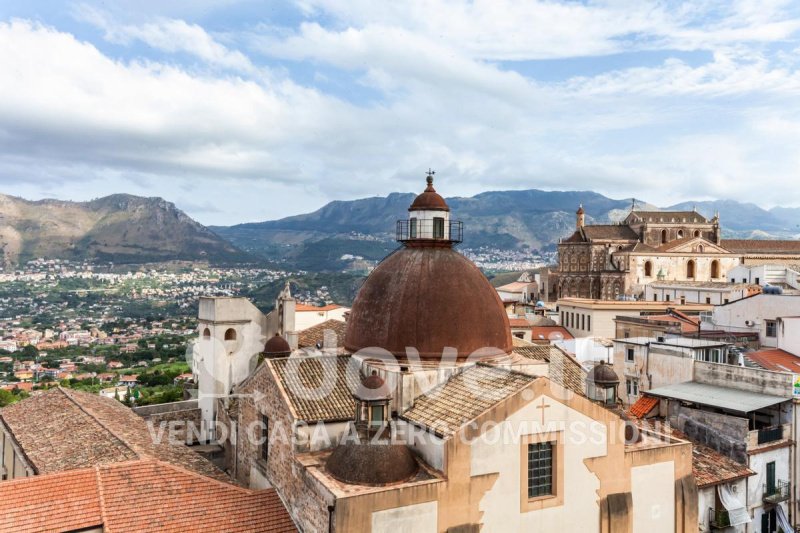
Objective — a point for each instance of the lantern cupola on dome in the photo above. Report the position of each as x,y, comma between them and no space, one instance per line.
429,220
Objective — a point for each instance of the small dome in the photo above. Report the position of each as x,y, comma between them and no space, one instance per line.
381,463
603,375
277,347
372,388
429,200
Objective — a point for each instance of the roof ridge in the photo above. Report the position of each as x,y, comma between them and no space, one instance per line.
93,416
102,498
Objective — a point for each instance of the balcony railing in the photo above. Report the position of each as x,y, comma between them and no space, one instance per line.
718,518
770,434
430,230
776,494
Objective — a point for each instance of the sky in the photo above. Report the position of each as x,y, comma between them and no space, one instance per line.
249,110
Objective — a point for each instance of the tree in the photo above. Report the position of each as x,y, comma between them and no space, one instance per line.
29,352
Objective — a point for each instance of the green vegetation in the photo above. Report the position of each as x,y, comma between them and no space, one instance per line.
13,396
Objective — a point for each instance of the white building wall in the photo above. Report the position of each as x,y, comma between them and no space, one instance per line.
755,485
418,518
492,453
789,335
307,319
751,313
653,488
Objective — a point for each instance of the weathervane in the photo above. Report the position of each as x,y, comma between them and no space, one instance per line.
430,174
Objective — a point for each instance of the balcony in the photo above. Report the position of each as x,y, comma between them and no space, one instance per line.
777,494
718,518
768,436
430,230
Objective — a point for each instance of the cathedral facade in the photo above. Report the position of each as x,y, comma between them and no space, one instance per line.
612,261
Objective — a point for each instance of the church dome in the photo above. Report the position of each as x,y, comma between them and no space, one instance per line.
428,297
603,375
372,464
277,347
429,200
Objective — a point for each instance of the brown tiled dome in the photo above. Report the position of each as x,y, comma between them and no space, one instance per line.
428,298
380,463
603,375
372,387
429,200
277,347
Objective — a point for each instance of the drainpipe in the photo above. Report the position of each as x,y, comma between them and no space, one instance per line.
647,367
331,509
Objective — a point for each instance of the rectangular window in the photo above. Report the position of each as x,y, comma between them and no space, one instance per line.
708,299
758,281
583,322
655,297
667,297
589,323
632,386
438,228
772,328
264,437
540,469
377,415
412,230
629,355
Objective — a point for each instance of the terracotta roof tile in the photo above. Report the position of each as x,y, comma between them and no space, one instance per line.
545,333
563,368
643,406
298,374
463,397
61,502
142,496
63,429
776,360
308,338
610,232
711,467
761,246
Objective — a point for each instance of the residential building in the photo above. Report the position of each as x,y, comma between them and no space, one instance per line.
699,292
596,318
757,314
646,363
307,316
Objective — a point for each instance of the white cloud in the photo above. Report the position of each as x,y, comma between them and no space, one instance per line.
230,142
168,35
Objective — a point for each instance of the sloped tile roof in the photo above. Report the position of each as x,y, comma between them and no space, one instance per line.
61,502
518,323
711,467
612,232
142,496
463,397
544,332
300,374
643,406
563,368
308,338
761,246
63,429
776,360
692,216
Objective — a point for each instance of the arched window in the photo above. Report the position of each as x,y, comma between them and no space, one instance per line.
663,236
714,269
700,248
690,270
206,333
230,334
680,234
648,269
697,233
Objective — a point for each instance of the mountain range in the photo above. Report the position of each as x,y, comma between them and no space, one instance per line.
524,220
130,229
119,228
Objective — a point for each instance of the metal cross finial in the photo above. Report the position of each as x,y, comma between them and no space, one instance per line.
430,174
